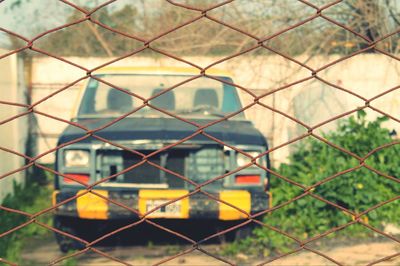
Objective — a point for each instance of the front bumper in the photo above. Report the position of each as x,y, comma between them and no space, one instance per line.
134,204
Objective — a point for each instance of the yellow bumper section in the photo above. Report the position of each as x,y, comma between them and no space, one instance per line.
91,206
241,199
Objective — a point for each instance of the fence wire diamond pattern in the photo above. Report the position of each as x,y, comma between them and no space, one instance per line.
261,43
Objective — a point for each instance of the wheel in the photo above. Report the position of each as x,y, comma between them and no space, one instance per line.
244,231
70,226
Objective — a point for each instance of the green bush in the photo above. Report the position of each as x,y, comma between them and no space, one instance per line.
30,198
357,190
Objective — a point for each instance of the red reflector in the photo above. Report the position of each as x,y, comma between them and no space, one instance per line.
79,177
248,179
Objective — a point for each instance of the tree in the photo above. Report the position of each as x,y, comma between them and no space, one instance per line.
89,39
147,19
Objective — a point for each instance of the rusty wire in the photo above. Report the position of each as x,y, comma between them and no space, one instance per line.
146,45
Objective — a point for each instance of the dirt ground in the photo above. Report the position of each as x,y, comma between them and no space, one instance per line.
44,251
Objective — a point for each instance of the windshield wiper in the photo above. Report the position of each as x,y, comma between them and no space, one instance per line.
204,110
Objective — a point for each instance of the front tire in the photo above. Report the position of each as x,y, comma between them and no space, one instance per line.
70,226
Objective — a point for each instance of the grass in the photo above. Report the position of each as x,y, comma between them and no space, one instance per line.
31,199
70,261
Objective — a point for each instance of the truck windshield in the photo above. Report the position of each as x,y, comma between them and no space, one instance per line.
199,97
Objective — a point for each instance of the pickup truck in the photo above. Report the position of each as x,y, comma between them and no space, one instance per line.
155,154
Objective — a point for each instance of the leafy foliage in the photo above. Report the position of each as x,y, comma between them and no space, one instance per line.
356,190
31,199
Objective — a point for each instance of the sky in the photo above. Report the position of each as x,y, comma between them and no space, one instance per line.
29,17
32,17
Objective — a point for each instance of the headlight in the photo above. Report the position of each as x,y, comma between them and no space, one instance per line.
242,159
76,158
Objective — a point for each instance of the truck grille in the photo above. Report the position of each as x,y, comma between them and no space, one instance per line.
176,163
198,165
205,164
142,174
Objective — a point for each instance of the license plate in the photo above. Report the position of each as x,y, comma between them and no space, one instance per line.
171,210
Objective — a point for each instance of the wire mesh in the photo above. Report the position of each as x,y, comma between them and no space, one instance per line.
146,45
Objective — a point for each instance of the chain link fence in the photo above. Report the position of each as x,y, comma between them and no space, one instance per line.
368,42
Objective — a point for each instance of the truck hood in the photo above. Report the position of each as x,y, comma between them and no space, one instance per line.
137,128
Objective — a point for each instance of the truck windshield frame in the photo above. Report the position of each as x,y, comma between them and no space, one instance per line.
200,97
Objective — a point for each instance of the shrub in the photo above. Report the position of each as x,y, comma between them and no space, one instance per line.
30,198
356,190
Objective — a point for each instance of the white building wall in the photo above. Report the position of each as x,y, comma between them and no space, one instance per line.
13,133
311,101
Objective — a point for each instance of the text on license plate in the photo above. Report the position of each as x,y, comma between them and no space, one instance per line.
172,209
